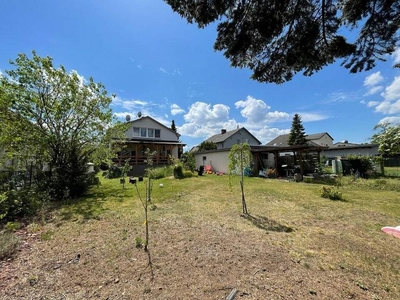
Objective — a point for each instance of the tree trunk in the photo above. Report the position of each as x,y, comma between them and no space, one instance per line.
244,206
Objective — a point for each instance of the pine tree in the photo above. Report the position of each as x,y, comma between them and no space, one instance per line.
297,135
173,126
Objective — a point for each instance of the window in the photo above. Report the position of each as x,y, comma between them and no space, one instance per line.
143,132
157,133
150,133
135,131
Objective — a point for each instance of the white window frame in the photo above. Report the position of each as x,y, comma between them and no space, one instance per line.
137,133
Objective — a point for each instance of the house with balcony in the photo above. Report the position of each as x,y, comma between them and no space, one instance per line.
147,133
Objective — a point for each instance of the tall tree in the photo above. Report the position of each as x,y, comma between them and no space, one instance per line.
297,135
173,126
388,138
277,39
58,115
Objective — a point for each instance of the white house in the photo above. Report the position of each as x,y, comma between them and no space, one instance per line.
147,133
218,159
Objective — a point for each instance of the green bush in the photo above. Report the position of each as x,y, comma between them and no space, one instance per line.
158,173
331,192
187,174
9,243
15,204
178,172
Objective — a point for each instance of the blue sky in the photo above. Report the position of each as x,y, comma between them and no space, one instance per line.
158,64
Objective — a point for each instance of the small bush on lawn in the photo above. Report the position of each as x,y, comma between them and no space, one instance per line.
9,243
331,192
23,203
187,174
178,172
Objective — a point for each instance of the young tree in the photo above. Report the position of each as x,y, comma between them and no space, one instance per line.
297,135
240,157
388,138
277,39
58,115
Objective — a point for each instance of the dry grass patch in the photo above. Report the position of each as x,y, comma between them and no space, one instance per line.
293,245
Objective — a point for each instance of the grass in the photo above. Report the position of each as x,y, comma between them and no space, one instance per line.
392,171
9,243
199,243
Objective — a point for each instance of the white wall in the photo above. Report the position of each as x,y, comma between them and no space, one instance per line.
218,160
165,134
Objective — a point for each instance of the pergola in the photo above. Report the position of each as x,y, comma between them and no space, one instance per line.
300,149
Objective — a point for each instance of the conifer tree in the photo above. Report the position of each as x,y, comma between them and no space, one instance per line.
297,135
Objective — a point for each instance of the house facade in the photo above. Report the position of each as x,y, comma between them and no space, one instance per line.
147,133
218,159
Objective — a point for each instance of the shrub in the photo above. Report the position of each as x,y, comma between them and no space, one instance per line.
158,173
178,172
15,204
187,174
114,172
331,192
9,243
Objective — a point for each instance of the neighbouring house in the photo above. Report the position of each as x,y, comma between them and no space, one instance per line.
322,139
147,133
218,159
345,148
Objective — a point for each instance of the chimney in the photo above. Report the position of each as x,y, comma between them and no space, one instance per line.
223,131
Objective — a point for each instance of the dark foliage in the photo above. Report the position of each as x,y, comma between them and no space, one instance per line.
277,39
297,135
206,145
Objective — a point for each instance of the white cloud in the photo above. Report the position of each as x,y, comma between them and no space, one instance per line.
372,103
162,70
374,90
373,79
341,97
204,120
312,117
200,112
391,96
267,134
176,110
391,120
396,56
257,111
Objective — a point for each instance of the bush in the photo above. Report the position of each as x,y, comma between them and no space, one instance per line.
9,243
332,193
114,172
178,172
158,173
15,204
187,174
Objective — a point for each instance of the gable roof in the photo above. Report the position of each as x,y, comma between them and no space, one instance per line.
154,120
282,140
221,137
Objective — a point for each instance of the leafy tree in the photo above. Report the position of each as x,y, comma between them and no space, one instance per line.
240,157
189,161
297,135
277,39
55,117
206,145
388,138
